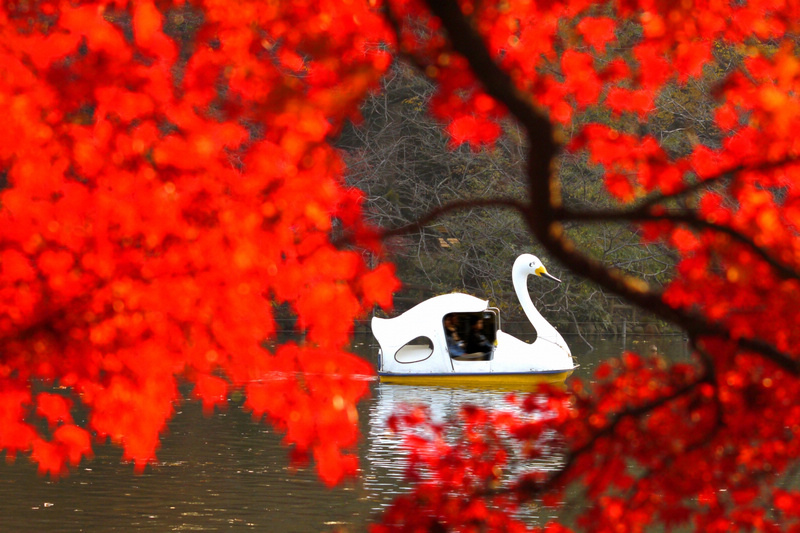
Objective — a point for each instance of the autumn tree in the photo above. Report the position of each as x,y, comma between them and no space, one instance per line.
169,176
168,180
397,155
704,445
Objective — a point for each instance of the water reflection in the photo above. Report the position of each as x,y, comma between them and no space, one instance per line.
226,473
386,457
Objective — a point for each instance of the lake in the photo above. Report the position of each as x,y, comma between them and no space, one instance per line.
226,473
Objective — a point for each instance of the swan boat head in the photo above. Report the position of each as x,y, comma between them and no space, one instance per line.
530,265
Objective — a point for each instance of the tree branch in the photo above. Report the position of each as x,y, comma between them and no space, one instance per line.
544,210
684,217
712,179
533,489
450,207
394,23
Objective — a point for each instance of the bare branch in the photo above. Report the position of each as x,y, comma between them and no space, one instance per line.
451,207
397,29
532,489
683,217
713,179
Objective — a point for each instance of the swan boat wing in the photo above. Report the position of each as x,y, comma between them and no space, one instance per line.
418,334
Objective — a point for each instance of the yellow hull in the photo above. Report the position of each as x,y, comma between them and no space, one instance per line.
490,380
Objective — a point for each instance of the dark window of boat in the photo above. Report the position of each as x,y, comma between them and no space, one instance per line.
415,350
464,324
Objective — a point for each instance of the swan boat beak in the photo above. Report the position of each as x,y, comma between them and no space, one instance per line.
543,273
548,276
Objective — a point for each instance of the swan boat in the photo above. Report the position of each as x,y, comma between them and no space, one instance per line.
430,343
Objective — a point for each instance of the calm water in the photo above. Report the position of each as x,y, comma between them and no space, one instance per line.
227,473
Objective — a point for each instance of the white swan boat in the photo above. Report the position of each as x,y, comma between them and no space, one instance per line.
430,343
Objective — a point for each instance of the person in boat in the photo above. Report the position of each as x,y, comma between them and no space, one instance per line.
477,341
455,344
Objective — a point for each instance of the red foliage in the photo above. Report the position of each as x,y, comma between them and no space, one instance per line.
163,189
696,444
161,196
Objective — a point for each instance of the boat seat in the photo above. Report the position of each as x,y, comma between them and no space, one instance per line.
469,356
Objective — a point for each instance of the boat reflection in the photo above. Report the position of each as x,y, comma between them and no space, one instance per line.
386,457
